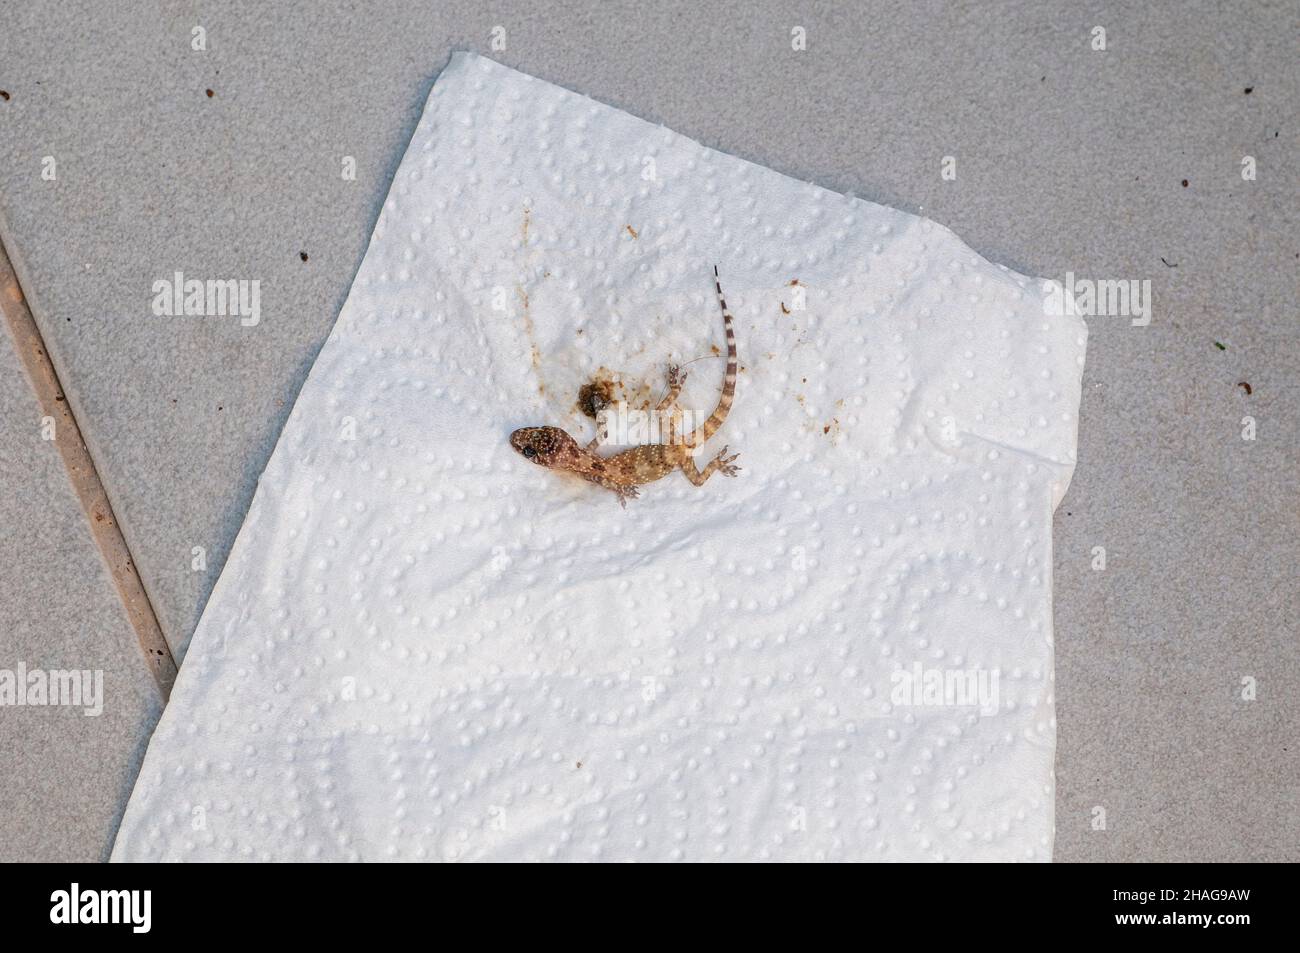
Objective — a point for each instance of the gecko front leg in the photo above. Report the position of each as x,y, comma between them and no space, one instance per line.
597,405
624,491
676,378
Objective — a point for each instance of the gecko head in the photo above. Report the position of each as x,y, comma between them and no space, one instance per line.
547,446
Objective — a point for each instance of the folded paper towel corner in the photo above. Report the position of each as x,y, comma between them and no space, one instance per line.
422,647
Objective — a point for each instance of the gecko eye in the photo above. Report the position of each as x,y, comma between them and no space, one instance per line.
529,452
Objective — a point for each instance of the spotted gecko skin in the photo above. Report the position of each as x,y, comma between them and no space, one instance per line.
622,473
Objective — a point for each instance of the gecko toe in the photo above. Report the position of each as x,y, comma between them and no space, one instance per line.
726,465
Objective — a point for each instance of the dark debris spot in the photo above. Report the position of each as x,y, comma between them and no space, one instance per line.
4,94
1184,183
302,255
1162,258
595,396
1244,385
1220,346
209,93
1248,90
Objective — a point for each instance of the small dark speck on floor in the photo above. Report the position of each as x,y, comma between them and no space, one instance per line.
1249,90
4,94
209,93
302,255
1162,258
1220,346
1184,183
1245,385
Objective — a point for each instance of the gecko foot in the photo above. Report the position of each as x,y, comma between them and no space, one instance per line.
724,464
625,493
676,377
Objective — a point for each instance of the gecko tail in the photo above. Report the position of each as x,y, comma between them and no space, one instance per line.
710,426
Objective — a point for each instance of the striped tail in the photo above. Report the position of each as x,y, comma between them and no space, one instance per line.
729,384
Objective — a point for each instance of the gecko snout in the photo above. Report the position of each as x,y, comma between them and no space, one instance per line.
547,446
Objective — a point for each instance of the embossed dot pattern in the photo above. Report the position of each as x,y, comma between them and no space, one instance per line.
424,648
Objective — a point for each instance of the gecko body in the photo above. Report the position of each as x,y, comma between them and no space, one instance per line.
623,472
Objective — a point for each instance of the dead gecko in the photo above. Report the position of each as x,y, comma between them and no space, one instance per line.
553,448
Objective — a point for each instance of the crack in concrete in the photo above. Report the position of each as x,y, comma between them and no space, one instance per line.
84,478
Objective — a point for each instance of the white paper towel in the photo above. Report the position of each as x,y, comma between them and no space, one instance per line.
424,647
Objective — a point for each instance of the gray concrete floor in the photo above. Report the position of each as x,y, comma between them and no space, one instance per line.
66,774
1122,163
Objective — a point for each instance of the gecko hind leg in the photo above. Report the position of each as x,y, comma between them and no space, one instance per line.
720,464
